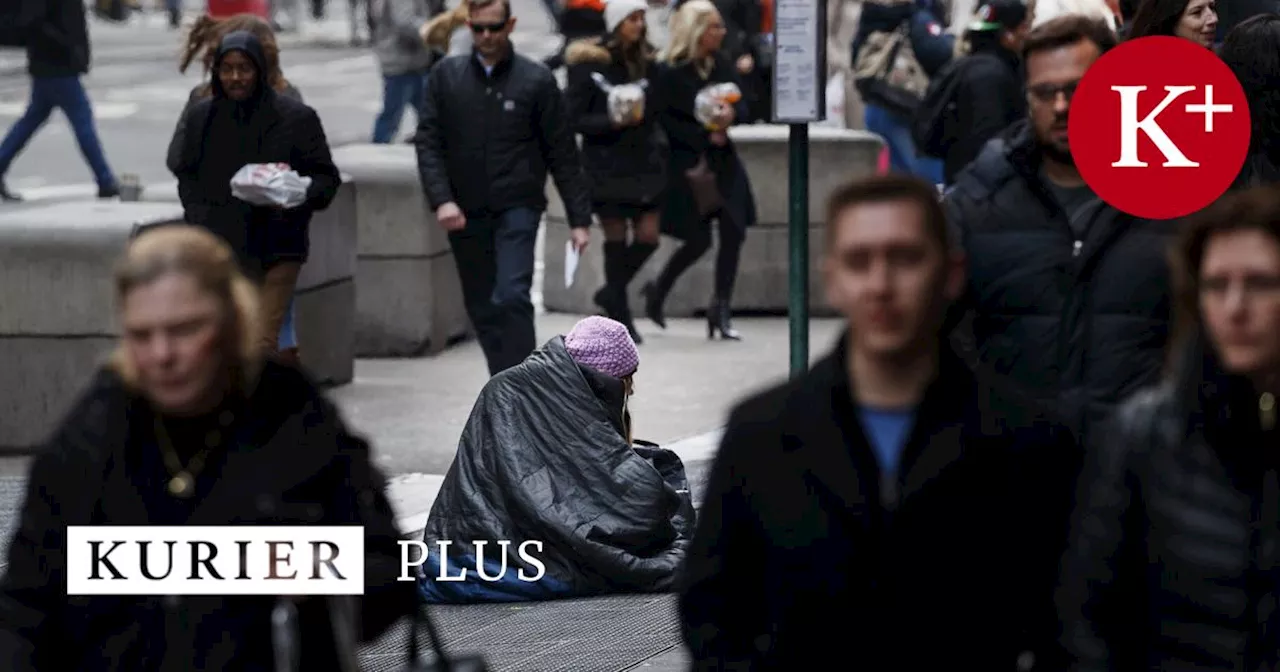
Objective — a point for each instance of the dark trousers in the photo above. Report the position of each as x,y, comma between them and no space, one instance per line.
398,92
494,255
66,94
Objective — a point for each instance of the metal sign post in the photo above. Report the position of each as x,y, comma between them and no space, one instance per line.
799,98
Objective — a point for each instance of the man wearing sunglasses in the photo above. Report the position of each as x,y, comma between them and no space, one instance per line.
1067,296
492,127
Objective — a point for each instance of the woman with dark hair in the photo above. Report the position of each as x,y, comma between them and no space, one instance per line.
1173,561
625,161
1252,51
1195,20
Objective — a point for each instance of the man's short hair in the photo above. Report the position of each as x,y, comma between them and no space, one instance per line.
1065,31
892,188
473,5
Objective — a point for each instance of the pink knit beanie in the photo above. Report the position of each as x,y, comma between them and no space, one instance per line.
604,345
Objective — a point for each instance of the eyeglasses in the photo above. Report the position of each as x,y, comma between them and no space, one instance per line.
1048,93
495,28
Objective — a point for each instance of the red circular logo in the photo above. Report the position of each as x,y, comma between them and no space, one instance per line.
1159,127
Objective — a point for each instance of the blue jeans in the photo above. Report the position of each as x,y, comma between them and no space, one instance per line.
67,94
288,337
398,92
902,148
494,256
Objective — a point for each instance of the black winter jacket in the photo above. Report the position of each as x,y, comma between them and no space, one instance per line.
623,165
1173,563
57,37
1078,323
802,555
215,137
989,98
486,142
295,464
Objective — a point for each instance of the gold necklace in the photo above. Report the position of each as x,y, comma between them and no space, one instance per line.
182,483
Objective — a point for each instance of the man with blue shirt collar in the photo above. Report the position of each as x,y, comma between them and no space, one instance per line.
493,125
889,509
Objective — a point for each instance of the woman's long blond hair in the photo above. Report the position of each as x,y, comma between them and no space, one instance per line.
688,25
196,253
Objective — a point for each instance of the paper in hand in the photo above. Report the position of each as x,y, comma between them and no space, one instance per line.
570,263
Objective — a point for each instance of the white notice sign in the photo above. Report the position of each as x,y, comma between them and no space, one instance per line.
799,61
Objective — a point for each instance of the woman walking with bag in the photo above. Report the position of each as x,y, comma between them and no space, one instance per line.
706,179
624,152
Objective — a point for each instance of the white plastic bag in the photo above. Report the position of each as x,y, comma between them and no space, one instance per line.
270,184
835,102
712,100
626,101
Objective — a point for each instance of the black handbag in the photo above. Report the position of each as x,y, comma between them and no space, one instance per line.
703,184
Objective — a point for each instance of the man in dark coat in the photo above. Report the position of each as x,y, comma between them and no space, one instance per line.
493,125
57,41
888,509
1067,296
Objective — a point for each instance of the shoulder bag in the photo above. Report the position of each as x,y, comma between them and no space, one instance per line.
706,192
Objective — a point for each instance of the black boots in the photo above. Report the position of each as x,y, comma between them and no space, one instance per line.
719,321
621,263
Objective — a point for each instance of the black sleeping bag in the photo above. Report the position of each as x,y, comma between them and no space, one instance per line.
542,465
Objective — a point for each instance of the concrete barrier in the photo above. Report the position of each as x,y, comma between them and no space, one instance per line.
57,310
835,157
325,299
408,297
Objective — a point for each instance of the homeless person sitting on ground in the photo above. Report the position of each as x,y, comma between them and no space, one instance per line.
547,463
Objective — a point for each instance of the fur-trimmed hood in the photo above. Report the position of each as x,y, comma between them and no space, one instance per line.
593,50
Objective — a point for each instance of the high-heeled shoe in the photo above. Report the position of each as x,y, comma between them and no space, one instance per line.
718,321
653,300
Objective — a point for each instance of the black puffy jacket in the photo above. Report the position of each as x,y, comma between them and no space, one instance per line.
1173,562
623,165
56,36
1078,323
486,141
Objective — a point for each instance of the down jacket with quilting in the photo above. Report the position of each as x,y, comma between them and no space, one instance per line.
1078,323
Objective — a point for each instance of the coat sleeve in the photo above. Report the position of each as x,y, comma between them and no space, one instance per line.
721,610
61,486
1104,560
313,159
180,159
677,117
361,498
560,149
430,144
581,93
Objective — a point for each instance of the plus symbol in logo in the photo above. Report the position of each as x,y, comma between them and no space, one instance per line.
1159,127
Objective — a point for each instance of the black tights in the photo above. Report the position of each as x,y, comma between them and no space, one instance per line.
730,251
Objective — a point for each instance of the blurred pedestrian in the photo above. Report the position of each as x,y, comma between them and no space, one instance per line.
494,124
706,179
404,59
1068,296
188,425
862,512
625,158
57,43
1252,51
1195,20
1175,549
247,122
